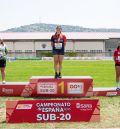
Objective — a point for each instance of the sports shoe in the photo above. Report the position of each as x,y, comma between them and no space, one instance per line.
59,76
3,82
56,75
117,88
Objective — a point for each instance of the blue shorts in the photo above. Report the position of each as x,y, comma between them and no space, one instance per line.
58,52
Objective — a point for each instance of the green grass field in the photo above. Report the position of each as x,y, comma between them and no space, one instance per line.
103,73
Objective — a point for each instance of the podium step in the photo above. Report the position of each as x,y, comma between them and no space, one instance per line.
67,86
47,86
106,92
12,88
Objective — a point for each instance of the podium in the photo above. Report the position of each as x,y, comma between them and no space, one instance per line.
47,86
66,110
65,87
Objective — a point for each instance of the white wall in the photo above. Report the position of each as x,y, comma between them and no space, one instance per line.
89,45
24,46
79,45
9,46
69,46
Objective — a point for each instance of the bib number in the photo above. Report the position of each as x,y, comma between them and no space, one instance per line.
58,45
1,54
118,58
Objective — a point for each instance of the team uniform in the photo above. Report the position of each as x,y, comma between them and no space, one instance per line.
3,53
58,41
117,63
117,57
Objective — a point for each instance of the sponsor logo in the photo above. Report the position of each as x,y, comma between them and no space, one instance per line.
47,88
24,106
7,91
83,106
75,87
44,45
77,105
111,93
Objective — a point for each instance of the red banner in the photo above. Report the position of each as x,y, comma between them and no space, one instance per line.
35,111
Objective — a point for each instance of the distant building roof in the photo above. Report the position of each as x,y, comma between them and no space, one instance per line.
47,35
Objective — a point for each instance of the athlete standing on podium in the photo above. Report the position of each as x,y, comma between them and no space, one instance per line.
3,53
58,42
117,66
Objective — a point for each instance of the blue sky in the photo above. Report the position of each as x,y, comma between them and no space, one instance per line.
86,13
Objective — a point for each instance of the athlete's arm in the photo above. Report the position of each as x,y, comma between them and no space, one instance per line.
65,43
6,50
52,41
65,40
52,44
115,55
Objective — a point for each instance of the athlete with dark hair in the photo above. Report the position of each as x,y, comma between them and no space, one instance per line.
117,66
3,53
58,42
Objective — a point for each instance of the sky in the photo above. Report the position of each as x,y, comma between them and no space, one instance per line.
85,13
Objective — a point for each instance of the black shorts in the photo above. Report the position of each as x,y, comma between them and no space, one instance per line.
58,52
2,63
117,64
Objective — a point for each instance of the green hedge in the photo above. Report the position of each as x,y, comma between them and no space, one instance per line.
49,54
43,53
28,58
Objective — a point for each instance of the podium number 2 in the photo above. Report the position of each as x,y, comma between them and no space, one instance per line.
61,84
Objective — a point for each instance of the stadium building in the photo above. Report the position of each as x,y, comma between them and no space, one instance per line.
31,43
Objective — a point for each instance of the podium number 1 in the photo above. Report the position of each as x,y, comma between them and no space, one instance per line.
61,84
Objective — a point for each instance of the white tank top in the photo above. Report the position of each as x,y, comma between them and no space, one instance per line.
2,50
